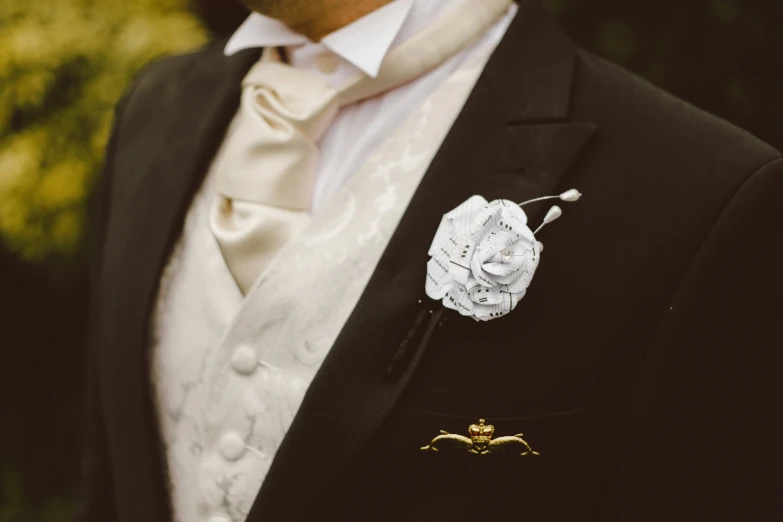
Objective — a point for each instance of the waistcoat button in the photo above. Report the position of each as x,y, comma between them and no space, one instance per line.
244,360
232,446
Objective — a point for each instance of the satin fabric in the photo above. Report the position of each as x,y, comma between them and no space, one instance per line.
266,170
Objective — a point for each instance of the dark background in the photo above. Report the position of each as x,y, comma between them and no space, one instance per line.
724,56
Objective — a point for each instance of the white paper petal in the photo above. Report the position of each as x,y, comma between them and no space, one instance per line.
508,279
463,215
512,215
524,276
457,299
472,284
479,275
486,313
493,263
482,312
460,257
485,220
442,235
482,295
438,282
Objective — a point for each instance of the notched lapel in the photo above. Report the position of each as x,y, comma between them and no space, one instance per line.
174,121
532,75
541,154
517,115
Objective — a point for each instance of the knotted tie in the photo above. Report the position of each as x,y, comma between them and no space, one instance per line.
267,166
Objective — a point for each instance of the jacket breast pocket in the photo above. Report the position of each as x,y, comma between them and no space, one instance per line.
456,483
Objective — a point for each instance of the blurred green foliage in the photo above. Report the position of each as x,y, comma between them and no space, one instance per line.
63,65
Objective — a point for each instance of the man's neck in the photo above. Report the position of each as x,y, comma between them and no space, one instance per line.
315,18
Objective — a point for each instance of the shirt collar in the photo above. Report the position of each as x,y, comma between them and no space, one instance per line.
363,42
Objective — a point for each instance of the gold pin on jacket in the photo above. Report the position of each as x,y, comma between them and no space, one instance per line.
480,441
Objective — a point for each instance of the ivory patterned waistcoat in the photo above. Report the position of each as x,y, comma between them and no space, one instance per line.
230,373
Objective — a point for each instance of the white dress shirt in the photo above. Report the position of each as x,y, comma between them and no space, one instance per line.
361,128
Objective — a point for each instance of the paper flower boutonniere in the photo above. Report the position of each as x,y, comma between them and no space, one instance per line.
484,256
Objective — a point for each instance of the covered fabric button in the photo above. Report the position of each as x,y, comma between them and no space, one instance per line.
232,446
244,360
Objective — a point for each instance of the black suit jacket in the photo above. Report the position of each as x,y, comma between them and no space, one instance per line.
640,364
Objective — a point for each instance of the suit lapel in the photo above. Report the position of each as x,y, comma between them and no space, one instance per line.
169,133
512,140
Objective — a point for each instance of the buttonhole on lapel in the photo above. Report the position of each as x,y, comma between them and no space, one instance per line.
405,346
416,339
512,168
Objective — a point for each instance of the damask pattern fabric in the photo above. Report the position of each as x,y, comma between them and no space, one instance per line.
228,390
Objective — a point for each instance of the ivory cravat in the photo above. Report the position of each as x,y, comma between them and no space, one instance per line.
266,173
